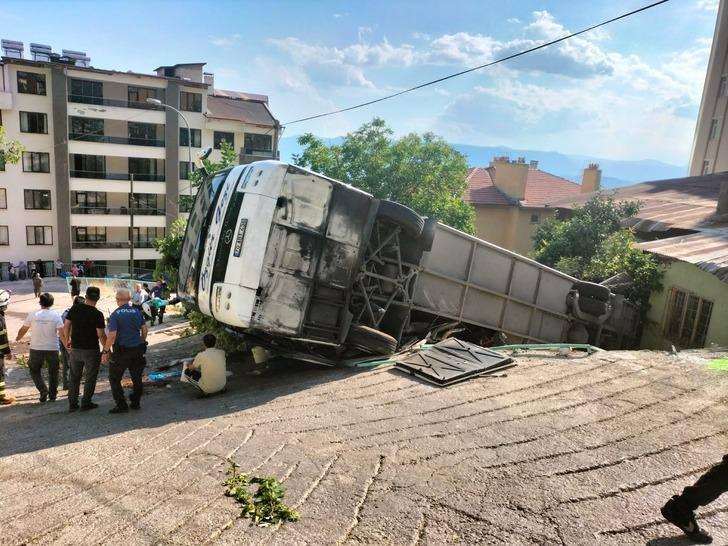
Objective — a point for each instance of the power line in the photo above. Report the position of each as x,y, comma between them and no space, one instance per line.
497,61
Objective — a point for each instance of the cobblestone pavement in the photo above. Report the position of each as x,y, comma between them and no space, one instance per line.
578,450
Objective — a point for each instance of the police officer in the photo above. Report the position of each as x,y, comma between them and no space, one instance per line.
127,336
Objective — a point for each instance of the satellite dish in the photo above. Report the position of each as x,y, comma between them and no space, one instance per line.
204,154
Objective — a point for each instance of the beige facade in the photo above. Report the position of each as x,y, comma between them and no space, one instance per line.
510,227
86,131
710,144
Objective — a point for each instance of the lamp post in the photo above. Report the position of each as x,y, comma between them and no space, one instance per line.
157,102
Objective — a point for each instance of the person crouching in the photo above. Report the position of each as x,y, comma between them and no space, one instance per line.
207,371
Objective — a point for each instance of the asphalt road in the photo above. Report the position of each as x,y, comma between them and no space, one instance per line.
578,450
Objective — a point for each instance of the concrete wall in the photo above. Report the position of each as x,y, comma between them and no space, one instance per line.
690,279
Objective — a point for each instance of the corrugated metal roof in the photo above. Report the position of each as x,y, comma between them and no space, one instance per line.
541,188
240,95
686,203
708,250
253,112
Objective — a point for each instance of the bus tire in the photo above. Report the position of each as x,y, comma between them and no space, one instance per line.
371,341
410,222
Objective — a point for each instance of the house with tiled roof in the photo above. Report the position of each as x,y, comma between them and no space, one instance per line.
512,197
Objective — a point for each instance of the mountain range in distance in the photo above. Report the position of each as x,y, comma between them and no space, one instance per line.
615,172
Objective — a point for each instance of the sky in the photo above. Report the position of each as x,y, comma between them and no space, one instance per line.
630,90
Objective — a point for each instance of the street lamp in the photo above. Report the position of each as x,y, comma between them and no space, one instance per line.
157,102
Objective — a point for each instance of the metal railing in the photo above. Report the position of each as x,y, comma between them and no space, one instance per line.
134,141
139,177
110,244
141,211
101,101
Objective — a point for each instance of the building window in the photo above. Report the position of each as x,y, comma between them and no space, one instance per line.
88,166
142,133
90,234
39,235
144,237
139,95
258,143
184,170
713,134
36,162
144,201
196,137
37,199
220,137
535,219
33,122
146,169
88,129
4,236
3,198
723,91
86,91
706,167
31,83
190,102
92,199
687,319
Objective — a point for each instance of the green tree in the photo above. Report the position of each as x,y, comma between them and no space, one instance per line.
197,177
10,150
170,247
591,245
420,171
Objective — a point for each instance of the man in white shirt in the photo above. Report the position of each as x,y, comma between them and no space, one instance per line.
207,371
46,328
139,296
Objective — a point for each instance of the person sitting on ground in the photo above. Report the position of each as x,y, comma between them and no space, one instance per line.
47,327
37,284
207,371
5,352
83,330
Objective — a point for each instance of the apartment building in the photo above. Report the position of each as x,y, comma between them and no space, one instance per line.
710,144
92,134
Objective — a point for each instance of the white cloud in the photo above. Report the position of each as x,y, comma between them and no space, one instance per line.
337,15
708,5
225,41
513,20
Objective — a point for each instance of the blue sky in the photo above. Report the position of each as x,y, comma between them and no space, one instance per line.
627,91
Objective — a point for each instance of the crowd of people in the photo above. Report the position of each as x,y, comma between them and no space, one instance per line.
74,344
37,270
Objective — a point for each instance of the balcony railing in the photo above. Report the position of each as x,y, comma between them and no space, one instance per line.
110,244
88,99
134,141
139,177
249,156
140,211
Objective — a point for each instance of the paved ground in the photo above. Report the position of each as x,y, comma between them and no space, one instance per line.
560,451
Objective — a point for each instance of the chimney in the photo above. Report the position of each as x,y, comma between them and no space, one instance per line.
591,179
209,79
722,207
510,176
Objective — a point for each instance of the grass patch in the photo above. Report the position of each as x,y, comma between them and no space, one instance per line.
265,506
720,365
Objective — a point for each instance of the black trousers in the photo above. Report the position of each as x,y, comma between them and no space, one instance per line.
35,364
127,358
709,486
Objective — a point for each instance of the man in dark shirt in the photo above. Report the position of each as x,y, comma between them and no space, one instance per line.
84,328
127,336
159,290
75,286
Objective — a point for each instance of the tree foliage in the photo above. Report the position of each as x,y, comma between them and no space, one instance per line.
420,171
10,150
170,248
592,245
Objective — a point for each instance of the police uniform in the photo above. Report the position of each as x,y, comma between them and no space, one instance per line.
128,353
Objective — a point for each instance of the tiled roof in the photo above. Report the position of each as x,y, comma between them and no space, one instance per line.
482,190
541,188
685,203
240,95
253,112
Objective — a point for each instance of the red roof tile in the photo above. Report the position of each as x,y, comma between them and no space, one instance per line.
541,188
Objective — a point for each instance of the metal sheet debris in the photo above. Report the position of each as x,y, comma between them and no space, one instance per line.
452,361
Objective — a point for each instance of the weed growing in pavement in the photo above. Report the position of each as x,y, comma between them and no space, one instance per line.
266,505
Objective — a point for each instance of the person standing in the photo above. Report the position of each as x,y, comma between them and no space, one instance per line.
75,286
83,330
5,352
139,296
679,510
37,284
47,328
11,271
88,267
127,336
65,357
74,270
159,291
59,267
39,267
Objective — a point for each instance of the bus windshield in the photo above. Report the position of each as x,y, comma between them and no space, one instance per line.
196,234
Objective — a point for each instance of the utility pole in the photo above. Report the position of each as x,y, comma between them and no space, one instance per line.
131,217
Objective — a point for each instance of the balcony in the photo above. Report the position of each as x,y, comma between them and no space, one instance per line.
103,175
140,211
115,140
87,99
249,156
110,244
